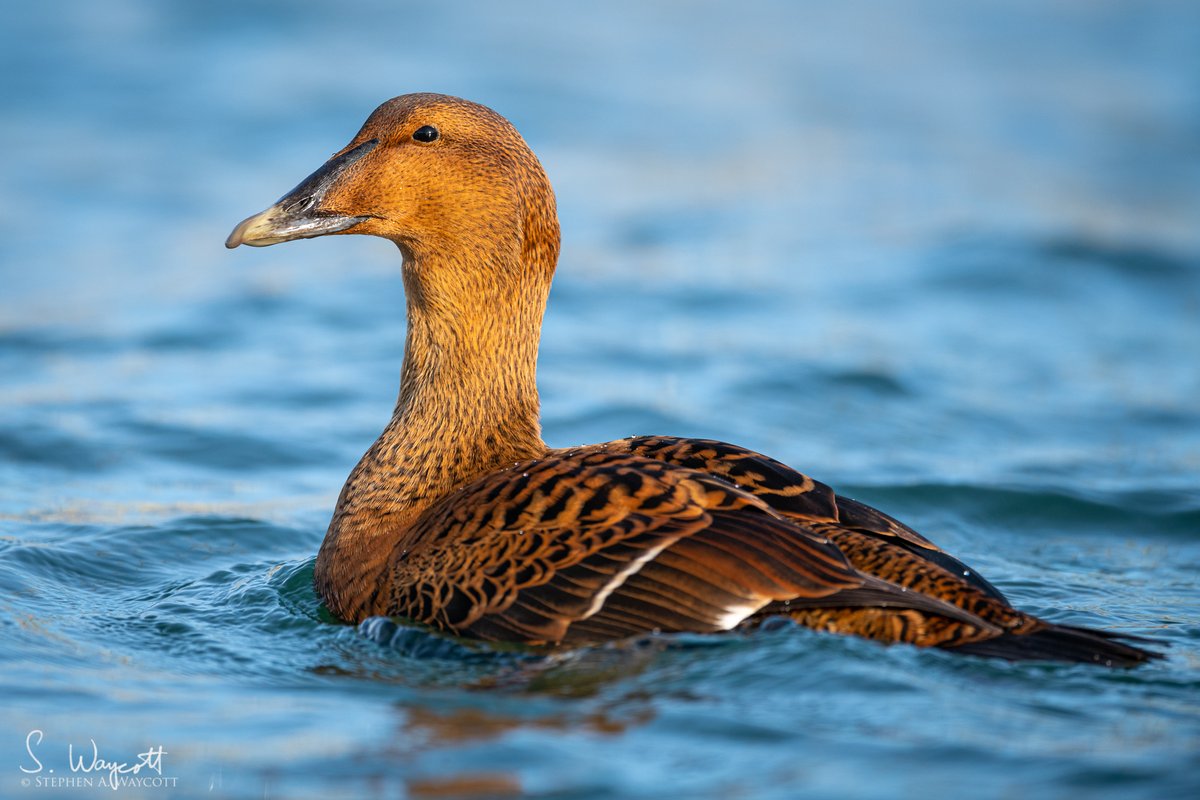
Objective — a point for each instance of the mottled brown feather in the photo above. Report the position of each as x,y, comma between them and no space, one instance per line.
568,531
460,517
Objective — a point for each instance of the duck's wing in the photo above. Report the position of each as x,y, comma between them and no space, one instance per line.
786,490
595,545
808,501
883,548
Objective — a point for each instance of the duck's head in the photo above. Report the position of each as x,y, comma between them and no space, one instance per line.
442,177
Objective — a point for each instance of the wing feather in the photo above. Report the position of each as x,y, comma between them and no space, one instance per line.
712,554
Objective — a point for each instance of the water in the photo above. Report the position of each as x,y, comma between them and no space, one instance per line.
944,257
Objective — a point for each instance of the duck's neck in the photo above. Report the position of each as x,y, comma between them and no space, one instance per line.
468,401
468,391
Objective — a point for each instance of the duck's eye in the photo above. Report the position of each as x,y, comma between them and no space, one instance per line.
426,133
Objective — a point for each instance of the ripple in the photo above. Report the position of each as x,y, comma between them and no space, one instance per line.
222,449
1137,261
1146,512
52,341
53,446
801,380
1058,265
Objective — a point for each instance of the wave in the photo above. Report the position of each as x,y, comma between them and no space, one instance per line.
1143,511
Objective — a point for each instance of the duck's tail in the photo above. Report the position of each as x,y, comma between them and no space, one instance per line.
1068,643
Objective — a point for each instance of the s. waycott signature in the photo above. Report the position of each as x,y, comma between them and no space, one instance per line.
88,768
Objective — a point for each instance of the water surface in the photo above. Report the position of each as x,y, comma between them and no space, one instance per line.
944,258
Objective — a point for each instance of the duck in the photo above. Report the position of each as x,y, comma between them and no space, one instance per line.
460,518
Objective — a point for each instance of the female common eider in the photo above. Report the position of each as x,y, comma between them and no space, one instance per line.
460,517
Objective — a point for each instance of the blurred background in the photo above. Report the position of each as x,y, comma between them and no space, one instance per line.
945,256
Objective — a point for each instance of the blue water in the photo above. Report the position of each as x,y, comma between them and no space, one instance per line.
945,257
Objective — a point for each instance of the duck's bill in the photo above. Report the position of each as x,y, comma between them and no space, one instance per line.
298,214
275,225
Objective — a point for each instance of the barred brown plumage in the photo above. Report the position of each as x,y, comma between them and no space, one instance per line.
461,518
